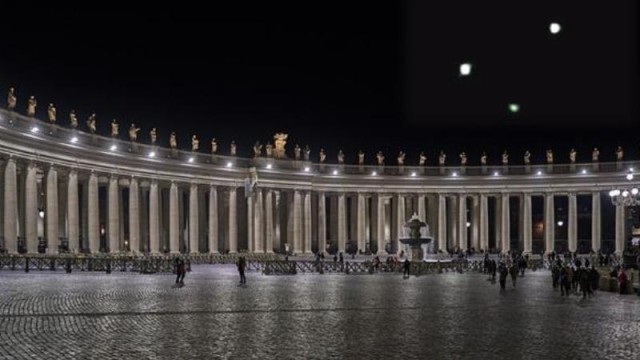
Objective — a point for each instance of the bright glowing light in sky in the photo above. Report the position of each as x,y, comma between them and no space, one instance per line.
465,69
555,28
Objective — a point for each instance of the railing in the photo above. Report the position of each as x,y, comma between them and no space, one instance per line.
125,263
78,139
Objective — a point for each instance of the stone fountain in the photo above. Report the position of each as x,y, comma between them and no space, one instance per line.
415,246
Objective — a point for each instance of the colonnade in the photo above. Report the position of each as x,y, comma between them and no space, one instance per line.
48,206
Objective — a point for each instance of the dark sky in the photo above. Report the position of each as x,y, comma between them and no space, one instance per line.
350,75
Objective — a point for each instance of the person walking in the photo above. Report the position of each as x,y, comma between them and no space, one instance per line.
242,264
407,268
180,271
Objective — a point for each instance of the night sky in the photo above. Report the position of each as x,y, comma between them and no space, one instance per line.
371,76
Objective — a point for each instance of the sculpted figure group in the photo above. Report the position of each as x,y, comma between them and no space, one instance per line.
277,149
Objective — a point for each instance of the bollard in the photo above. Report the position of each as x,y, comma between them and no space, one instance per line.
68,266
346,269
52,265
26,264
108,266
90,264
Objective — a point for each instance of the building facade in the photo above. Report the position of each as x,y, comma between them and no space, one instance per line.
64,189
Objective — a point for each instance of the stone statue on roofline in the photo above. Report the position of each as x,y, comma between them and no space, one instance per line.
297,152
232,148
307,153
173,142
51,113
214,146
280,140
422,159
257,149
269,150
380,157
549,156
12,99
153,134
442,158
463,158
73,119
91,123
31,106
133,132
595,154
195,143
115,128
527,157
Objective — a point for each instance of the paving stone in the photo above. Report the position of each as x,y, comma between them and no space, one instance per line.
437,316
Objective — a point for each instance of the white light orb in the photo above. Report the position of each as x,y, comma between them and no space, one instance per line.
554,28
114,148
514,108
634,191
413,174
629,176
560,223
269,166
74,140
374,173
465,69
229,164
625,193
335,172
152,154
468,224
307,169
190,159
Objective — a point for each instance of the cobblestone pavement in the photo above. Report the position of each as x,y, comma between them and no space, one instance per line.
439,316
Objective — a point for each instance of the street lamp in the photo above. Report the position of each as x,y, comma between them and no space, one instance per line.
626,195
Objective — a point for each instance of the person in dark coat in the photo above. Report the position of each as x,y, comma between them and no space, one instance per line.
407,268
504,272
242,264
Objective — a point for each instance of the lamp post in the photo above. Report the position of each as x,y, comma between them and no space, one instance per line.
628,197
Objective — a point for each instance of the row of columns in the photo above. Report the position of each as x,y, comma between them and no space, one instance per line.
306,225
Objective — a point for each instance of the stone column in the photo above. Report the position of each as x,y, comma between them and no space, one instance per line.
11,207
452,222
277,216
484,222
596,229
322,222
258,240
342,222
72,211
233,221
361,224
143,226
134,215
213,220
307,222
113,231
549,223
619,230
442,223
268,221
154,218
504,223
297,222
380,224
194,220
250,209
526,223
31,210
462,222
94,214
52,211
174,219
475,222
401,220
572,231
422,210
